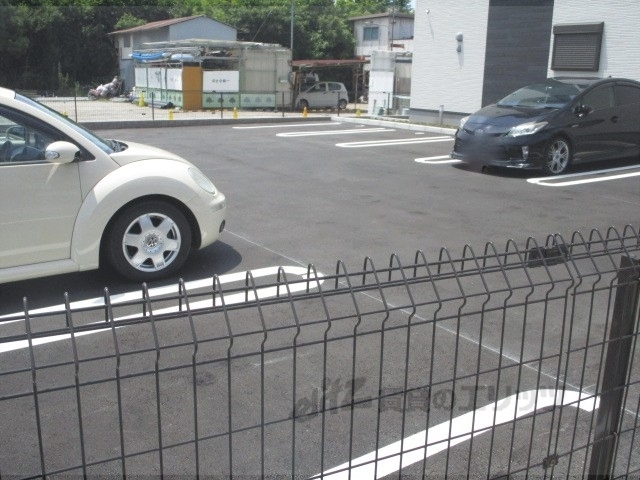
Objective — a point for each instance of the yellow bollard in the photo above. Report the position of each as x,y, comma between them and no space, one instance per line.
171,114
235,112
141,100
358,112
304,112
64,112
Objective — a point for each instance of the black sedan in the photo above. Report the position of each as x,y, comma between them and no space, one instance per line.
553,124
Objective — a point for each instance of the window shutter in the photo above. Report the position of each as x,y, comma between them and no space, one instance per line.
577,47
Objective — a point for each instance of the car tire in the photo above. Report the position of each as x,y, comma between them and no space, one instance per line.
148,240
557,157
342,104
303,104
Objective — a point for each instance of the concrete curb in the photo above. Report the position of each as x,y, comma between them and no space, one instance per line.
402,124
197,122
194,122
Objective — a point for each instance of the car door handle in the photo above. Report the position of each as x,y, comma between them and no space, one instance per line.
614,119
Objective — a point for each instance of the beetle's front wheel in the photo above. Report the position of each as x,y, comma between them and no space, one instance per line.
148,241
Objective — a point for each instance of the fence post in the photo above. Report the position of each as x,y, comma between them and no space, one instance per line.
625,310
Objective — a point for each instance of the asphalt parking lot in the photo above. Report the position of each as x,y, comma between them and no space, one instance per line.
319,192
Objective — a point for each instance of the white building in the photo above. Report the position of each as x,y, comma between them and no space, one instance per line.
386,39
382,31
469,54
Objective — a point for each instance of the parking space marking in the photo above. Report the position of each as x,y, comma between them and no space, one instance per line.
393,457
334,132
399,141
287,125
231,299
439,160
595,176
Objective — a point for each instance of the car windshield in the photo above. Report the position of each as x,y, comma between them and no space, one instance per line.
108,146
549,94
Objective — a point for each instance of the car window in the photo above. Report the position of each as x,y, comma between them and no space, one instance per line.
23,138
599,98
627,94
334,86
107,146
550,94
318,87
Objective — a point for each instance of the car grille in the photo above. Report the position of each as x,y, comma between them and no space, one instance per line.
481,149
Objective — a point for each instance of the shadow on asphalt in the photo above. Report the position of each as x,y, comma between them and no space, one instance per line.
218,258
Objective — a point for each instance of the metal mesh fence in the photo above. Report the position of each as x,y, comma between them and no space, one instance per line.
485,364
154,108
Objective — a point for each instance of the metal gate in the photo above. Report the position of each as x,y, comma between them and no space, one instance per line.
512,361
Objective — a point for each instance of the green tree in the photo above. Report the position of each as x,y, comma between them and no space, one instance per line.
47,45
127,20
354,8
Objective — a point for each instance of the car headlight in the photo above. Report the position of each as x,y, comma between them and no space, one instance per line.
463,120
202,181
526,129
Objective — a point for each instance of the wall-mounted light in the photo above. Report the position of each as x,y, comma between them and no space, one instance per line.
459,38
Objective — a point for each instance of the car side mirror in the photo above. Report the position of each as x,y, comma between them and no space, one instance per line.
582,110
62,152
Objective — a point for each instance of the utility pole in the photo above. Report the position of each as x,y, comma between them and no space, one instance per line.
293,9
393,23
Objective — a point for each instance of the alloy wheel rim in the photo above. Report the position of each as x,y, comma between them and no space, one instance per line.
558,157
151,242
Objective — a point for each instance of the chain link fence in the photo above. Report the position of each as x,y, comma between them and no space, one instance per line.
143,106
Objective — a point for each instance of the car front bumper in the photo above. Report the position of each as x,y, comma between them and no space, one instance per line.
525,152
210,214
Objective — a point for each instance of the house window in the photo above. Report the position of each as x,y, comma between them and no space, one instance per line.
577,47
127,41
370,33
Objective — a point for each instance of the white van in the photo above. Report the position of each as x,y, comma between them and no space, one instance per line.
324,94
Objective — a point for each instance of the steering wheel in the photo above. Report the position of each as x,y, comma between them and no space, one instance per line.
15,132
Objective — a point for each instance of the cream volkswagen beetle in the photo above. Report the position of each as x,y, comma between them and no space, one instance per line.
70,200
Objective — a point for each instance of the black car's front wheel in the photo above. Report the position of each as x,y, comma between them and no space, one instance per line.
557,157
149,240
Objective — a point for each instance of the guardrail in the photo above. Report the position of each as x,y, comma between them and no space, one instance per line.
504,362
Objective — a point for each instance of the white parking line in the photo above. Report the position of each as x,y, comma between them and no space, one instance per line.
400,141
333,132
597,176
287,125
460,429
231,299
439,160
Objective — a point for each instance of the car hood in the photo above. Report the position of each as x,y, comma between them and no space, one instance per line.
135,152
503,118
